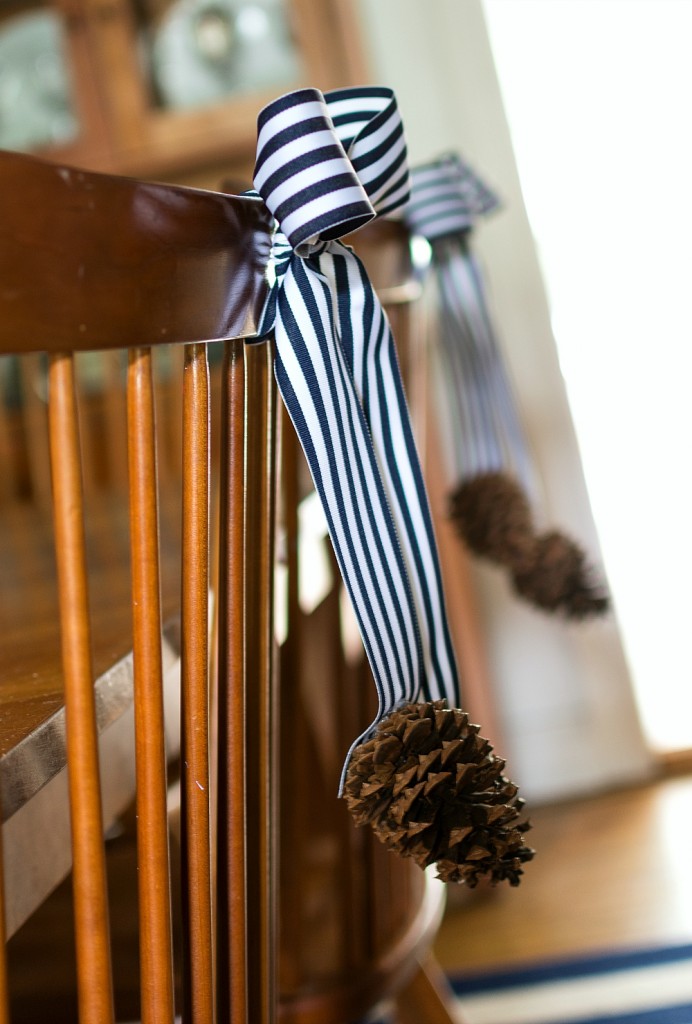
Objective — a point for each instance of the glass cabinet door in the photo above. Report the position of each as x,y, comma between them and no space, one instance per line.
198,53
37,107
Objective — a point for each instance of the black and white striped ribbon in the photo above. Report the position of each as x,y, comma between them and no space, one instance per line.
326,165
447,197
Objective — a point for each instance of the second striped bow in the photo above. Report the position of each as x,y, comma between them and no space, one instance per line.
326,165
490,504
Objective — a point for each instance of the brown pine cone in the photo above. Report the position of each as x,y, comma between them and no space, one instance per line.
432,789
493,517
559,579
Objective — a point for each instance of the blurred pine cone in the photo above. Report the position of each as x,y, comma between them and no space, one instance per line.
549,570
493,517
432,790
559,579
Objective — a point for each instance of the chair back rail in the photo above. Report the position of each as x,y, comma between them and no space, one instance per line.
150,264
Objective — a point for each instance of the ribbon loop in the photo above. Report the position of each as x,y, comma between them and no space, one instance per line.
368,122
327,164
303,173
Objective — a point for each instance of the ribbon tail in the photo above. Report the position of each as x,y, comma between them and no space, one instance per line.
369,347
494,437
317,387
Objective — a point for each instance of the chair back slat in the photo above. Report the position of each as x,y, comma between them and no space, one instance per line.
294,768
261,712
195,774
232,911
156,952
89,874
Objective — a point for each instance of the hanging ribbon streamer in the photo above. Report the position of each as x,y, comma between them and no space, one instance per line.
327,165
491,504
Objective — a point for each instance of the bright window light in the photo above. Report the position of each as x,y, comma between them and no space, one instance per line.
597,94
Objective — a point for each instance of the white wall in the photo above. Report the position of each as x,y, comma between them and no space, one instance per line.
618,268
563,691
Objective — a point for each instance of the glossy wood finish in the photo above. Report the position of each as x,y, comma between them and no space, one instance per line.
90,895
156,950
195,767
121,262
262,823
246,871
232,908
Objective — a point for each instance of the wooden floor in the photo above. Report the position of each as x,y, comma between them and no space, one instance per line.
610,871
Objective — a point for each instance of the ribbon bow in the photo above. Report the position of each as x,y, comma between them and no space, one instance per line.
490,505
326,165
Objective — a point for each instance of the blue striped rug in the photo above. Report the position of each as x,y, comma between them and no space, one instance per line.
637,986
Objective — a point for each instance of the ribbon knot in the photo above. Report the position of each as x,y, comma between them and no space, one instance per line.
326,165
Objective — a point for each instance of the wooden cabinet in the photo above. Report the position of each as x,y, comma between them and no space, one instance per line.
163,88
49,89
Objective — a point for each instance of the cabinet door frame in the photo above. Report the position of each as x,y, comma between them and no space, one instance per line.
147,140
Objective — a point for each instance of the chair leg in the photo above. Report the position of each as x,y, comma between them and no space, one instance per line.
428,998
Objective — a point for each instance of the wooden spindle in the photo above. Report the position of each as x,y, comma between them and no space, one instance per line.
232,991
156,954
195,689
94,982
293,793
262,811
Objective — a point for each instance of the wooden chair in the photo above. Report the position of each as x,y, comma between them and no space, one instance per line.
91,262
95,262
